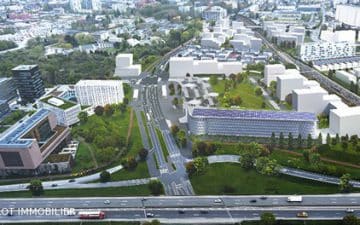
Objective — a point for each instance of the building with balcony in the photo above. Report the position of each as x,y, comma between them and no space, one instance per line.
99,92
321,50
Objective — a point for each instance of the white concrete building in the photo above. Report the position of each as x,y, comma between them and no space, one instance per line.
345,121
348,14
338,36
287,83
214,13
99,92
284,33
66,112
180,66
124,66
326,50
84,6
272,71
309,100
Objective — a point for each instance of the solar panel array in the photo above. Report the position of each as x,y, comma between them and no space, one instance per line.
13,137
246,114
336,61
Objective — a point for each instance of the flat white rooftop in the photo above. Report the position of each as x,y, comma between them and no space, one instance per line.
351,111
99,82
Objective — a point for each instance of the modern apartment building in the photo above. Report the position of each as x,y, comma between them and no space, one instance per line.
348,14
326,50
125,67
27,144
85,5
99,92
28,82
214,13
66,111
7,89
211,121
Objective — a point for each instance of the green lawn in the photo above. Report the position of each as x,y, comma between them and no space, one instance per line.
140,190
163,145
246,91
230,178
292,222
83,159
141,171
286,159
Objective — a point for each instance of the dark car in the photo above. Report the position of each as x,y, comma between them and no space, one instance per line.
204,212
150,215
54,185
72,180
263,197
181,212
253,201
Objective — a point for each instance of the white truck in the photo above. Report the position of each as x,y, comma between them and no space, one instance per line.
294,198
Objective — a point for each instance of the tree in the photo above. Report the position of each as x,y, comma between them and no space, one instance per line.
319,139
156,187
309,141
267,166
249,155
174,129
200,164
306,155
344,145
175,101
122,107
350,219
314,159
83,117
299,141
281,140
190,168
108,110
105,176
272,141
354,140
267,218
345,185
143,153
99,110
328,139
258,91
36,187
290,141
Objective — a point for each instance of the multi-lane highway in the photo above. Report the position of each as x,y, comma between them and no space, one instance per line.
205,209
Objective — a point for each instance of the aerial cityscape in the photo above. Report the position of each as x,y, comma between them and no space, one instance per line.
130,112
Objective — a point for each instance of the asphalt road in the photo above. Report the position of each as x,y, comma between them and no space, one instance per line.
193,209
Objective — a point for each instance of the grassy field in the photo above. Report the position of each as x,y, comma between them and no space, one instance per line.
286,159
163,145
141,171
83,159
230,178
246,91
140,190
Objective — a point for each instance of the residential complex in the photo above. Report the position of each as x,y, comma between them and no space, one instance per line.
29,82
85,5
326,50
348,14
179,67
66,111
284,34
27,144
212,121
99,92
214,13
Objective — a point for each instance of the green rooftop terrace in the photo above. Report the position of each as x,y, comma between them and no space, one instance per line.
66,105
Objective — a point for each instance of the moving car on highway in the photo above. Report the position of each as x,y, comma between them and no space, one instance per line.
92,215
302,214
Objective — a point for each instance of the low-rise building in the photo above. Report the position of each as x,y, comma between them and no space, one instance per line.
343,121
214,13
287,83
272,71
125,67
179,67
66,111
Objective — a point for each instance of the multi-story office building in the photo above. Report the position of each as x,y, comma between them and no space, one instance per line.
7,89
4,108
85,5
125,67
348,14
27,144
210,121
214,13
29,82
99,92
66,111
326,50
